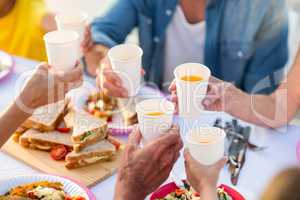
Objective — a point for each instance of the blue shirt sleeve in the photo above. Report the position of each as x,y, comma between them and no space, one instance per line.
265,70
114,27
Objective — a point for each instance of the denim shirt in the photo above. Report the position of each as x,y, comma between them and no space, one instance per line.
246,40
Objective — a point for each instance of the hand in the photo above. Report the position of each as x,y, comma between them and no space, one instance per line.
202,178
144,170
174,97
109,82
87,43
48,86
221,96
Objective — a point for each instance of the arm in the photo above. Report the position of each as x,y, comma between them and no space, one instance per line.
203,178
12,118
116,25
271,51
272,110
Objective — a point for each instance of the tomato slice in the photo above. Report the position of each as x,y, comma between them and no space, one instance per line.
63,129
58,152
79,198
114,142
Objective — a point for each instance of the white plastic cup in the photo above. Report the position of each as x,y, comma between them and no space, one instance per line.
206,144
152,127
62,49
190,94
75,21
72,21
126,62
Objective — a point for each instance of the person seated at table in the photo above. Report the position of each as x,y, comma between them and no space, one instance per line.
143,170
22,26
274,110
240,41
45,86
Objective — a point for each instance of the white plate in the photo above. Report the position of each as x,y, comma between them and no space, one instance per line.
70,187
7,61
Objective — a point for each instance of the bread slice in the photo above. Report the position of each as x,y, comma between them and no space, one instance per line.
47,118
87,130
45,141
101,151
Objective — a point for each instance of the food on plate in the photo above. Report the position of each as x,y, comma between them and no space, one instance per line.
17,134
47,118
42,190
190,194
103,150
87,130
45,141
127,108
101,105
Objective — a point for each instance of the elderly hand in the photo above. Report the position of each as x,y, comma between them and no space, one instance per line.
48,86
203,178
144,169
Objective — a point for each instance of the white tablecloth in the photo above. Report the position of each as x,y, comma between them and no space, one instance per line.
257,172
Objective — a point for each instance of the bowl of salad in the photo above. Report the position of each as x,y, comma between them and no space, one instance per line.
171,192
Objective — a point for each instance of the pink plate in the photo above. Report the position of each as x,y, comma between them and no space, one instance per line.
171,187
8,62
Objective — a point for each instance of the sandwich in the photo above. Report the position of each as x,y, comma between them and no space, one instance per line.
47,118
101,151
87,130
45,141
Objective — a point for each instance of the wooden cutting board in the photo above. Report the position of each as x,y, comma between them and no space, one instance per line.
89,176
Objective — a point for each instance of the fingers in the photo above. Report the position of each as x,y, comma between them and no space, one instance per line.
167,141
135,137
172,86
73,75
111,84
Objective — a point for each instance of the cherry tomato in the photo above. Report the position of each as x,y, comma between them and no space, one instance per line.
31,195
58,152
63,130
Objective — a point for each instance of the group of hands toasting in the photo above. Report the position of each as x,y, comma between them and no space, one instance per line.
142,170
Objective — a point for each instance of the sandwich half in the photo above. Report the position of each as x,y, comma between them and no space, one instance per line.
101,151
45,141
87,130
47,118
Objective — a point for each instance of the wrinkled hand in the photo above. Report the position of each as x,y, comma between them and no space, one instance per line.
87,43
47,86
144,170
202,178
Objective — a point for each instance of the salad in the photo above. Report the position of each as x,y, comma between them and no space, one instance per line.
42,190
189,194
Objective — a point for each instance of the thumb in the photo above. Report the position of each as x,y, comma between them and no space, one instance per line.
221,163
135,137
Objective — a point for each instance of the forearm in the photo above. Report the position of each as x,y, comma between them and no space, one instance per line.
10,120
263,110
